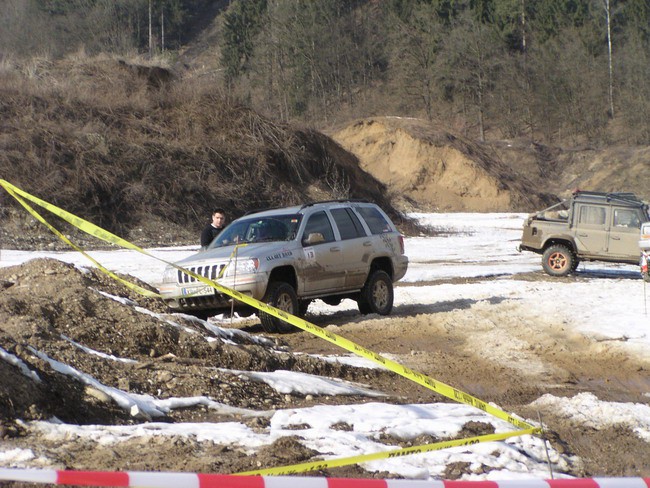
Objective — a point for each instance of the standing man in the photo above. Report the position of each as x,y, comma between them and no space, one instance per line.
213,228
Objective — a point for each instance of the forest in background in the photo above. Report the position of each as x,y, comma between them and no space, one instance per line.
570,72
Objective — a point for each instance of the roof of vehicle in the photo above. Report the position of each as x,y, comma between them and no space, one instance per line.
297,208
623,198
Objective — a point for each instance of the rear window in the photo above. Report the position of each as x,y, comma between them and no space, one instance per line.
348,223
375,220
591,215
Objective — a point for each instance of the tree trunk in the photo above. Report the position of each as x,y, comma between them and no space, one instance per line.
150,32
609,59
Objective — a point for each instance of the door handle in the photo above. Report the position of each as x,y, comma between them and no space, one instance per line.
335,249
615,238
583,235
367,243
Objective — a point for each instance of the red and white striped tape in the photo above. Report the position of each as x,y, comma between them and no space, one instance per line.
143,479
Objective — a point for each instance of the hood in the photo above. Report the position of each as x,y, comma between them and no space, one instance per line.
258,250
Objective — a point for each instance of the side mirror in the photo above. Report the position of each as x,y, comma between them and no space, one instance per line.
313,238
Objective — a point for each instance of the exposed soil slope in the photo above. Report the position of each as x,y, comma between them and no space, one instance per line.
437,169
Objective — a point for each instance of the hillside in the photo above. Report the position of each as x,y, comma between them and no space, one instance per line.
438,170
560,170
147,152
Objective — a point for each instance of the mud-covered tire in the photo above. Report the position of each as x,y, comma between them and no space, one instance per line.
558,260
280,295
576,263
376,296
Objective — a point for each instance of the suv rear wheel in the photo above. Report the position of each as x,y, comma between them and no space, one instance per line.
376,296
282,296
558,260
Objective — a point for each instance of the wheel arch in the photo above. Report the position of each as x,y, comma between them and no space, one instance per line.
560,241
382,263
283,273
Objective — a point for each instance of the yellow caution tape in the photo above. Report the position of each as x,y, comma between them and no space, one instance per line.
37,216
419,378
364,458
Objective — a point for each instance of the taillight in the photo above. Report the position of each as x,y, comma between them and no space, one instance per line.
401,244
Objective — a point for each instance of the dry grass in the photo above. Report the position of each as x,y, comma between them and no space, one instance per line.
103,139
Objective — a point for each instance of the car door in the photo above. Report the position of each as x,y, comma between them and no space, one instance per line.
625,233
592,228
323,259
356,246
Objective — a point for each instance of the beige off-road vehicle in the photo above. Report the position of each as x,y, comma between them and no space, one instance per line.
590,226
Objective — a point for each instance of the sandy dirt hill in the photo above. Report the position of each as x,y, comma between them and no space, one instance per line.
436,169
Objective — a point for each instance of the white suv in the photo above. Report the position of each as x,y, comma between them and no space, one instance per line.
287,257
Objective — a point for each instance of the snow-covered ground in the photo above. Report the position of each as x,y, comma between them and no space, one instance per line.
610,304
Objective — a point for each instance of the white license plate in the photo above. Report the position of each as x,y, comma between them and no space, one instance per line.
198,291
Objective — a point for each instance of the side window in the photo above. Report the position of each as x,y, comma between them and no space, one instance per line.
318,223
591,215
625,217
348,223
375,220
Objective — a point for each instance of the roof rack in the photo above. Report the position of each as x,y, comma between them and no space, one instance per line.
621,196
260,209
341,200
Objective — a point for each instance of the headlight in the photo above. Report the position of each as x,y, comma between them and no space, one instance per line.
170,274
244,266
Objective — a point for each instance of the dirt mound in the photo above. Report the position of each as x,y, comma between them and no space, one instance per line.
436,169
49,309
93,137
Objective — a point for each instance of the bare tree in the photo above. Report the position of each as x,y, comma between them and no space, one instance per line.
609,58
470,62
150,30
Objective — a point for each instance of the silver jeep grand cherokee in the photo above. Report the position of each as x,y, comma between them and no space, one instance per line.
287,257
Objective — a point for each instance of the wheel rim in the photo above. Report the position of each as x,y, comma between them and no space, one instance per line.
285,303
557,261
380,294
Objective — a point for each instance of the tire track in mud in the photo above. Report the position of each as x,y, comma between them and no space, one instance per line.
498,351
495,349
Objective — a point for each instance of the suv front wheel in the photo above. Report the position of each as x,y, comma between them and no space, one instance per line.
376,296
282,296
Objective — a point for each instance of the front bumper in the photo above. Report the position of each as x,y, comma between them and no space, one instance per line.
200,296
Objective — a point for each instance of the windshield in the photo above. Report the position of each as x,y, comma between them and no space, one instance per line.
261,229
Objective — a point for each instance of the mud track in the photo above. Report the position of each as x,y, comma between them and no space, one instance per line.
494,349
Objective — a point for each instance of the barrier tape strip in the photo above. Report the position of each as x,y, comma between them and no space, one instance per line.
419,378
199,480
39,217
364,458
